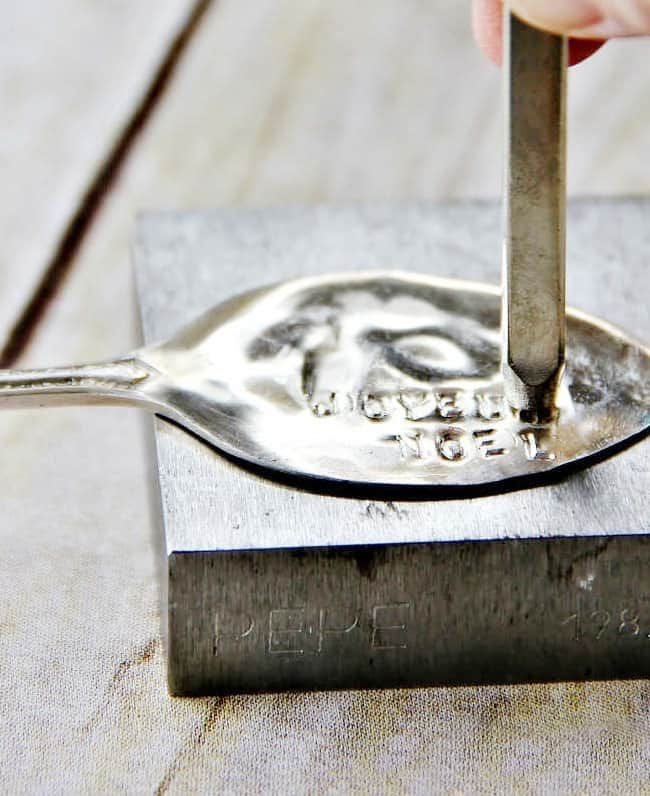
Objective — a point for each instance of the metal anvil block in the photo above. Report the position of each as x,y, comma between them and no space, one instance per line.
276,585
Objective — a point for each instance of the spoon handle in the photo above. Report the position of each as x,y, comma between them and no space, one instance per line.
121,382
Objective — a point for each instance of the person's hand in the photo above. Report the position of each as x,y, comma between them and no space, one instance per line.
587,22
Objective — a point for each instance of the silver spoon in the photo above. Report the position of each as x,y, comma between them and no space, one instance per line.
372,378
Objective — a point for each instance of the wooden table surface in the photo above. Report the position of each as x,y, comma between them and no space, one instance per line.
112,108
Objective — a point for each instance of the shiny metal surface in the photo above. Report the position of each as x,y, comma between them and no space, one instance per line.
398,615
381,378
271,587
534,225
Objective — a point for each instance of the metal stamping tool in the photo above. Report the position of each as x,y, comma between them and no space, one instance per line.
356,526
534,322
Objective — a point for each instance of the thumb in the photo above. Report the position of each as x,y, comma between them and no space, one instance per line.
487,16
587,19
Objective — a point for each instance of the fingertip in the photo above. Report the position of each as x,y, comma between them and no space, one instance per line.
487,22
